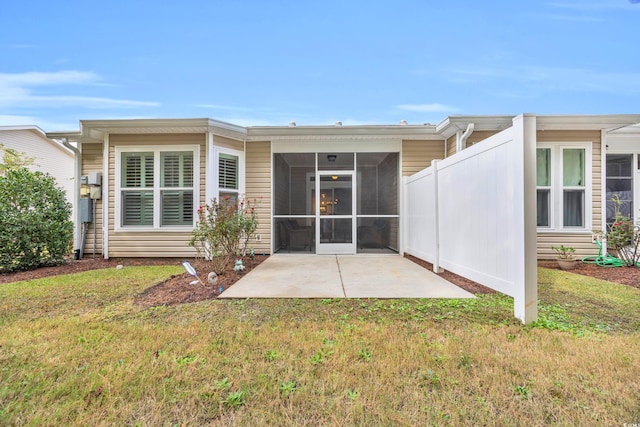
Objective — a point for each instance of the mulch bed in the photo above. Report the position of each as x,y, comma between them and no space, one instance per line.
466,284
178,290
626,275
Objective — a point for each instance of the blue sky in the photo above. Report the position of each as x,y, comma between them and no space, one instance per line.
272,62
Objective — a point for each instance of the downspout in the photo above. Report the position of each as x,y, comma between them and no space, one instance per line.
77,157
461,142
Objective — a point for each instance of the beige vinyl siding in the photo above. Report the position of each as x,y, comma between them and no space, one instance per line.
258,186
477,136
155,243
474,138
221,141
451,146
417,155
580,241
92,162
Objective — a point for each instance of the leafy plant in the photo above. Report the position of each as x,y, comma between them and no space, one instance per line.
35,220
288,387
522,390
564,252
223,384
13,159
320,356
186,360
271,355
223,231
235,399
365,355
623,237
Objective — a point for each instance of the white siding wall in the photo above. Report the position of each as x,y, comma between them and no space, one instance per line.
49,156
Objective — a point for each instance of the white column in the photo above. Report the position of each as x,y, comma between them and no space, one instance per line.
210,180
105,198
525,297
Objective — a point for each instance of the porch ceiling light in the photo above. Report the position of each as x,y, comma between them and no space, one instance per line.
332,157
334,177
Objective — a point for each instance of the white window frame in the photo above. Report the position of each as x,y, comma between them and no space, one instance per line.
156,150
216,172
557,187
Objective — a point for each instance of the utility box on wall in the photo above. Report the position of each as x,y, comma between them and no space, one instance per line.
86,209
94,178
95,192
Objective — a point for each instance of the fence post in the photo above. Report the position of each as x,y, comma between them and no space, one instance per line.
525,298
436,219
404,214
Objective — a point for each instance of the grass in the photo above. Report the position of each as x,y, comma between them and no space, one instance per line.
74,350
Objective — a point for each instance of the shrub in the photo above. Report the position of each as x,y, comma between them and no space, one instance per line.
623,237
35,220
223,230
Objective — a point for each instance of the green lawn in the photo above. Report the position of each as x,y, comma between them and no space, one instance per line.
74,350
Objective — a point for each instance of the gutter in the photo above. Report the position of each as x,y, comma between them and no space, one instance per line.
76,193
461,140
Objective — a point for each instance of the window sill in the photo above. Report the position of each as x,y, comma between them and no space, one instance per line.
182,229
564,231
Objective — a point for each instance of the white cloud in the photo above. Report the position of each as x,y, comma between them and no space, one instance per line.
427,108
19,90
550,78
35,78
85,101
594,5
47,125
589,11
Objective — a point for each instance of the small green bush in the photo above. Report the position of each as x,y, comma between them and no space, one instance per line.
35,221
223,231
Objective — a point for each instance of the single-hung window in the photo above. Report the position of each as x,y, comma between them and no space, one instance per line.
176,188
157,186
562,186
543,182
137,188
228,182
573,187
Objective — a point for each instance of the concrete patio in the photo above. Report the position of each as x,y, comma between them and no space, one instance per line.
342,276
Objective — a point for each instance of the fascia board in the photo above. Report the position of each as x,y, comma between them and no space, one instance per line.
413,132
94,130
587,122
32,128
227,126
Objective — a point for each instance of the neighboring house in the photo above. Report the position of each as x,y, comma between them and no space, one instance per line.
334,189
48,155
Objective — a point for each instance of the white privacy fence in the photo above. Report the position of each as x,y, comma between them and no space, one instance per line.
474,214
